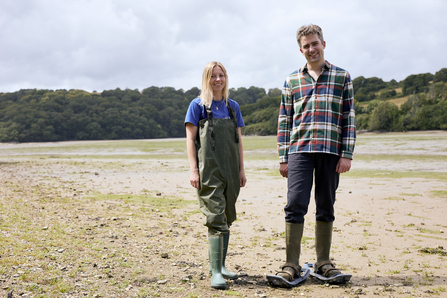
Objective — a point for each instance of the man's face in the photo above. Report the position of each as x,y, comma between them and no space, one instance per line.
312,48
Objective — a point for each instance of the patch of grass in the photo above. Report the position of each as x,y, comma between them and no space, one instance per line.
393,199
233,293
400,157
305,239
423,230
431,237
156,201
440,289
433,251
394,272
257,143
396,174
439,193
421,217
410,194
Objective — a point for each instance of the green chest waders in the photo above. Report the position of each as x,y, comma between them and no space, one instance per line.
217,147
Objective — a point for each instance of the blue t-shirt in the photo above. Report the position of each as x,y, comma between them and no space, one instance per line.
196,111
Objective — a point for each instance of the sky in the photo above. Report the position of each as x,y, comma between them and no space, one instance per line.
97,45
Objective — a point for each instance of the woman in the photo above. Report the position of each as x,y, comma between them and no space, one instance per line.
213,140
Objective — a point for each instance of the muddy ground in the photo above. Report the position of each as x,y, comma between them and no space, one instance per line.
83,226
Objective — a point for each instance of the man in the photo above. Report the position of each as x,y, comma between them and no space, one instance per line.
316,137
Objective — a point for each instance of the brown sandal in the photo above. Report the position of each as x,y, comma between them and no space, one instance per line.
291,275
329,271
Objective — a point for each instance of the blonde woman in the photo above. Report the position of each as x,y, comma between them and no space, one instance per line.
214,145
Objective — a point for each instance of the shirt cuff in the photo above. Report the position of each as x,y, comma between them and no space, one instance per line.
347,155
284,158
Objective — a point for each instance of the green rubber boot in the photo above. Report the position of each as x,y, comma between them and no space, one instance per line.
323,241
216,254
294,233
225,273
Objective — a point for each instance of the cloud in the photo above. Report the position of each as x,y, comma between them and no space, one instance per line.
105,44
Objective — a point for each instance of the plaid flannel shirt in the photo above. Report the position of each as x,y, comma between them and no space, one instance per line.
317,116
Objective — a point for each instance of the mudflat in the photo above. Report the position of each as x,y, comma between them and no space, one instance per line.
120,219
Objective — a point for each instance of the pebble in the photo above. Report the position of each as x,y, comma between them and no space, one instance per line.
186,278
162,282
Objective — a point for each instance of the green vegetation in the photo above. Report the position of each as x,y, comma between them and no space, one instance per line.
164,203
421,99
32,115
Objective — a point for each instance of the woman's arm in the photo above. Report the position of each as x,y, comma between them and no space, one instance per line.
191,134
242,178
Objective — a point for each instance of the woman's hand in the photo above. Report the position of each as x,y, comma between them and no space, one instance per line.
194,179
242,178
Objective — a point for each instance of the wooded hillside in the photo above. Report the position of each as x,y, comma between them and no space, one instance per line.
32,115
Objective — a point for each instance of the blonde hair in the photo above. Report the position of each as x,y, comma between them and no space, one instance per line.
308,30
206,95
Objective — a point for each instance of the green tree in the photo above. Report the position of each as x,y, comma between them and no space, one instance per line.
440,76
384,117
416,83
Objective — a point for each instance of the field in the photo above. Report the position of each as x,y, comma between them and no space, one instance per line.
119,219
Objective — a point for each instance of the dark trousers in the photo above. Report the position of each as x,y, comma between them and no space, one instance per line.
301,170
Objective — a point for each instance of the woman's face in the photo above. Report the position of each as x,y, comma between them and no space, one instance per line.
217,80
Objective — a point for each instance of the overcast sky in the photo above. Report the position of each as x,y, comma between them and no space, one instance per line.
107,44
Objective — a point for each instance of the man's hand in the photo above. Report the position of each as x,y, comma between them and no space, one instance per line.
343,165
284,169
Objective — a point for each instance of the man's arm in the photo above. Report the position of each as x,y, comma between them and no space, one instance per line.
285,123
348,125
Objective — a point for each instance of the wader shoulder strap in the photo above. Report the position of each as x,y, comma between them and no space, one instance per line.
233,117
210,126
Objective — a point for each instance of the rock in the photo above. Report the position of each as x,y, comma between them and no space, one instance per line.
162,282
186,278
164,255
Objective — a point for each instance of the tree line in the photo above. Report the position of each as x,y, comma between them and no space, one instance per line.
35,115
59,115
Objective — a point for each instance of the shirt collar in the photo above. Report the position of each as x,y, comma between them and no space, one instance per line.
326,66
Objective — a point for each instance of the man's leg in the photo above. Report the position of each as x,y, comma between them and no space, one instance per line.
300,179
326,184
